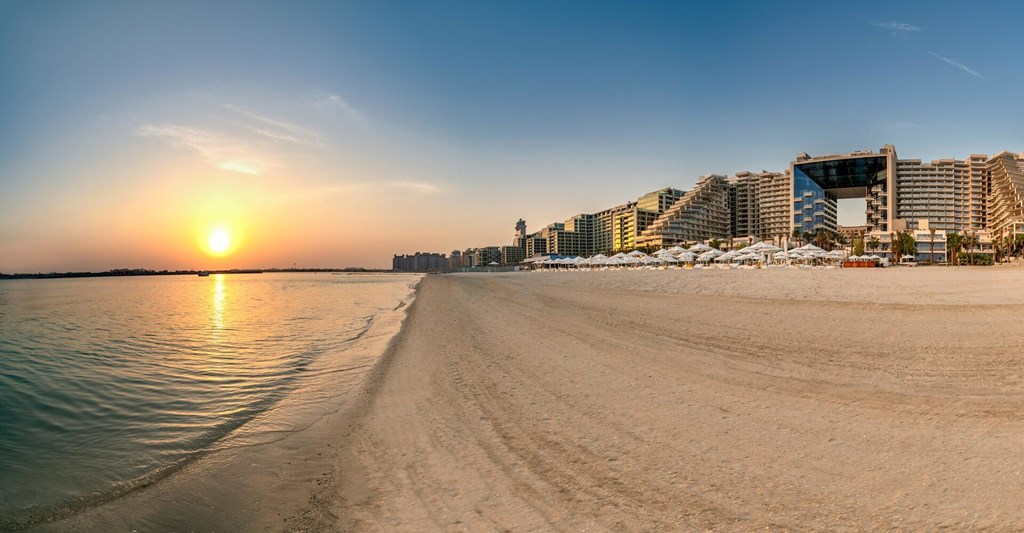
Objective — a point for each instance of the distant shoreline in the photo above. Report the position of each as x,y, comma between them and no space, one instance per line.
124,272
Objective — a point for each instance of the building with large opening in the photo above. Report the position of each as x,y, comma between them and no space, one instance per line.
980,197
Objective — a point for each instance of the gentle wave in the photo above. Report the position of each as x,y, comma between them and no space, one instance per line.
107,386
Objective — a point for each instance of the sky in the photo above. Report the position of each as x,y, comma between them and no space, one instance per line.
332,134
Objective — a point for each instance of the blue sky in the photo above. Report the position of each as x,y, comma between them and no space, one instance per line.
339,133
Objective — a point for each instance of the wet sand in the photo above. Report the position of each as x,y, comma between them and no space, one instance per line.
676,400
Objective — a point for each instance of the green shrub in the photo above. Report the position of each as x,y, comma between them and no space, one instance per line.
978,259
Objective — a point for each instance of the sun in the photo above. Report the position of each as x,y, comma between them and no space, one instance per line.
219,241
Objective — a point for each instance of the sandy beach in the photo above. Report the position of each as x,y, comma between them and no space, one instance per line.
675,400
647,400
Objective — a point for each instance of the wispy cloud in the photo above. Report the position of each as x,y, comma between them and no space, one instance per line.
335,103
223,151
895,27
954,63
416,186
276,129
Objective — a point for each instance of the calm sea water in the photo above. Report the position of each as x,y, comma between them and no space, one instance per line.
110,383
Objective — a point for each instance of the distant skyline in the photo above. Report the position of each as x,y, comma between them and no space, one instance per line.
332,134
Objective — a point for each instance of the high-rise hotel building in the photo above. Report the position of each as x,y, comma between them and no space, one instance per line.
979,194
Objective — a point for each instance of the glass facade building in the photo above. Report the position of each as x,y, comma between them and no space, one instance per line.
813,207
819,182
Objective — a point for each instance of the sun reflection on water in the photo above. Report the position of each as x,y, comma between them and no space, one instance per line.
219,294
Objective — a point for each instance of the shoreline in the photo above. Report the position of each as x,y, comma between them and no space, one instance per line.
263,474
654,400
634,401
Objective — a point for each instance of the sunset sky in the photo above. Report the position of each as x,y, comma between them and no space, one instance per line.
325,134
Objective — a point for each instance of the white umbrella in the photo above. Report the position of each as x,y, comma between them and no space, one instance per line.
619,255
630,260
700,247
875,257
687,257
810,248
636,253
669,259
677,249
615,261
708,255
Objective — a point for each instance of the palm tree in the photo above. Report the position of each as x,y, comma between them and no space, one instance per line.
893,250
873,243
972,243
954,241
796,235
905,244
931,251
1018,244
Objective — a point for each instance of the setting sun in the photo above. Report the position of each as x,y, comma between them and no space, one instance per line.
219,241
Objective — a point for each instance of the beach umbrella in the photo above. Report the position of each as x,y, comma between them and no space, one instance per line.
619,255
709,255
875,257
630,260
687,257
614,261
700,247
669,259
810,248
677,250
636,253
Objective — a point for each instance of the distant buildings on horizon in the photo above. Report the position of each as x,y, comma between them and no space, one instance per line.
981,196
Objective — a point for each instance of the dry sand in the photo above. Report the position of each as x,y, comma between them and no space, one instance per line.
679,400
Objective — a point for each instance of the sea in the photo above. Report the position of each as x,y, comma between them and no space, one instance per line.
112,384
